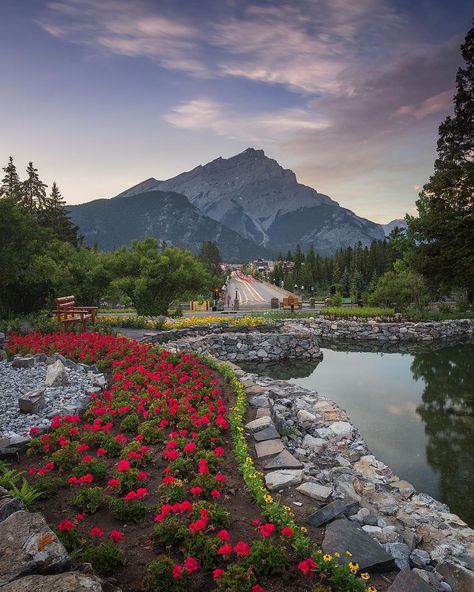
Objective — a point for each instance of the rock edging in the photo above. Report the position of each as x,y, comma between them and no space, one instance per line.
324,452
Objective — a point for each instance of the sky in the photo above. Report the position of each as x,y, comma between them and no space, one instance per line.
102,94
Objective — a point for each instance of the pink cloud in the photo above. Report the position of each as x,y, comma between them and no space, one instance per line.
435,104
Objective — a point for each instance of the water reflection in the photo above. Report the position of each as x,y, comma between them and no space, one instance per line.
447,412
414,405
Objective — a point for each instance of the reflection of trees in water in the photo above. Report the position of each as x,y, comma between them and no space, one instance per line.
448,414
284,370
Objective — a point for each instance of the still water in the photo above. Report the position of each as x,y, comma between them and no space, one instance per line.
415,409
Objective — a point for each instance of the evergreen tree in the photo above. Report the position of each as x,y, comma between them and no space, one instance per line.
33,191
55,216
443,233
210,257
11,184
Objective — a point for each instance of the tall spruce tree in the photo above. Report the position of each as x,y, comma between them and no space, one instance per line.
11,184
443,232
55,217
33,191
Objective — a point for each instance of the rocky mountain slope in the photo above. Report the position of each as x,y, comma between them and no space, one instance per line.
165,215
249,195
398,222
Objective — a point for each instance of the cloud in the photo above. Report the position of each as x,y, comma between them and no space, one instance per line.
435,104
126,28
223,120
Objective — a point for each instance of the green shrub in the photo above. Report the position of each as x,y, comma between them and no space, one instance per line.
236,578
151,432
203,548
170,532
126,511
219,517
130,423
267,558
96,468
359,312
66,457
160,578
105,558
49,485
90,499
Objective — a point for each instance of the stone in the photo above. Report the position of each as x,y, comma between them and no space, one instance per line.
258,424
306,417
9,504
420,558
459,578
71,581
257,390
32,401
277,480
331,512
268,448
400,552
269,433
28,545
341,428
343,535
56,375
313,443
99,380
263,412
407,581
284,460
315,491
23,362
406,489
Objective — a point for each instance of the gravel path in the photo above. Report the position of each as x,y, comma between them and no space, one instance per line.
59,400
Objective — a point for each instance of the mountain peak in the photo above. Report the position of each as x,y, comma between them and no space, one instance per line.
147,185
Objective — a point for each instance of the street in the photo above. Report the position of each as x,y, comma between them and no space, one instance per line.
251,292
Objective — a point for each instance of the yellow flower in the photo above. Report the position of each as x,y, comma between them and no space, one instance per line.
304,529
348,553
268,498
327,557
354,567
371,589
365,576
337,554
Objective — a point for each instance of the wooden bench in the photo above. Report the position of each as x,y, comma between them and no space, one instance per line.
290,303
69,313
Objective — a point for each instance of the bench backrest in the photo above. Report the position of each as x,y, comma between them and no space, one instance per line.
289,300
64,303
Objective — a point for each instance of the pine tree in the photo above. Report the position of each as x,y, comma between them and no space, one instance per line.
11,184
55,217
33,191
210,257
443,232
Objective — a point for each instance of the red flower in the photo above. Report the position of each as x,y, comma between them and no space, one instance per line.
198,525
287,532
219,451
223,535
87,458
101,451
257,588
307,566
190,447
96,532
215,493
113,483
88,478
196,490
65,526
177,571
142,492
34,431
116,535
142,476
190,564
123,465
224,549
242,549
131,495
216,574
267,529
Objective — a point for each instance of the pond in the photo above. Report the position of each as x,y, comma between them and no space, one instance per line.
415,409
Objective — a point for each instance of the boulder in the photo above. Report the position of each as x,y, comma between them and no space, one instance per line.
342,429
459,578
8,504
343,535
305,417
284,460
32,401
400,552
407,581
332,511
258,424
315,491
28,545
420,558
269,433
268,448
23,362
313,443
56,375
277,480
71,581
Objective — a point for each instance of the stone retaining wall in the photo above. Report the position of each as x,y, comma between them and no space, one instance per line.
374,331
253,346
310,450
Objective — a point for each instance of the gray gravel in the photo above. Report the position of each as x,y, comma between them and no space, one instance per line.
59,400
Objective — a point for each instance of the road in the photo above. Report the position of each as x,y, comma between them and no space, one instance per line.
252,293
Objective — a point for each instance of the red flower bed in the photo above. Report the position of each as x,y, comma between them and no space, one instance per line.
147,475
